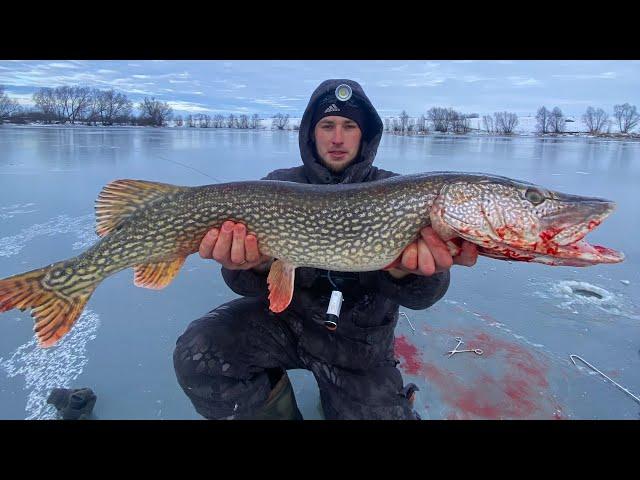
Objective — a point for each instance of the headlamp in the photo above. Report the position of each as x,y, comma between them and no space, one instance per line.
343,92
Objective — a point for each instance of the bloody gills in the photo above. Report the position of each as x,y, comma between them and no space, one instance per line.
153,227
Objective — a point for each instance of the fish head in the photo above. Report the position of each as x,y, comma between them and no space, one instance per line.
513,220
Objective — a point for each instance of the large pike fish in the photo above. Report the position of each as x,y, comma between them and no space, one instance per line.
153,227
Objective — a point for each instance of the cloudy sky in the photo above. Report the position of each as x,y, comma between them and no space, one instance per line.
270,86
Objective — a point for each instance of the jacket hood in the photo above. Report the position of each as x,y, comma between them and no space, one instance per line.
357,171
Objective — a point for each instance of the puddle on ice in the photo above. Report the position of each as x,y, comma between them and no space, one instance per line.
577,297
56,367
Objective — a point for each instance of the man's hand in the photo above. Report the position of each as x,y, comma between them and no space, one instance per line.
429,255
232,247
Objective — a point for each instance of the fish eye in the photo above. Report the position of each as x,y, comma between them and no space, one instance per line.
534,196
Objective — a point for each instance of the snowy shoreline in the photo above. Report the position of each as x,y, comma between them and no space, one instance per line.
294,128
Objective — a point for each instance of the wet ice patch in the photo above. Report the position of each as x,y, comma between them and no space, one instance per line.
82,227
17,209
578,296
47,368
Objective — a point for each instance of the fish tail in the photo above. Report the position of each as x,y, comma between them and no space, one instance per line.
55,307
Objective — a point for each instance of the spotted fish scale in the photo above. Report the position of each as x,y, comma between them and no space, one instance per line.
153,227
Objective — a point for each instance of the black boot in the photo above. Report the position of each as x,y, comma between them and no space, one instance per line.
73,404
281,403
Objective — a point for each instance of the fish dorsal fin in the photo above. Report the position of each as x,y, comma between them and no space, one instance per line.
280,281
157,275
121,198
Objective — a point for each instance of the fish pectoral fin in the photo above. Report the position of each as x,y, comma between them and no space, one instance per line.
157,275
54,312
121,198
280,281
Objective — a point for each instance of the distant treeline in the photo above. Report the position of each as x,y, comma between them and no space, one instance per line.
438,119
91,106
201,120
84,105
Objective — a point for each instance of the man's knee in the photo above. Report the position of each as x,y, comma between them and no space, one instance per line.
210,345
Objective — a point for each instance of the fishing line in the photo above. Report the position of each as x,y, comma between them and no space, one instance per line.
188,166
330,280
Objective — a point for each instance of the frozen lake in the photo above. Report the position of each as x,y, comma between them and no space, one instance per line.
527,318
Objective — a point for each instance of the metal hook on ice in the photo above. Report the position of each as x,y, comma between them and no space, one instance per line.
410,324
595,369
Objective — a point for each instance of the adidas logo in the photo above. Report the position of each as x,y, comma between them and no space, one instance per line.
332,108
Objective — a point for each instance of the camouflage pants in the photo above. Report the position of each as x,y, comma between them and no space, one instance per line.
227,362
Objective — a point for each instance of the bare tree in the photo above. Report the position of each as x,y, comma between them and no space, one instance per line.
556,121
595,120
218,121
626,116
190,121
45,101
395,125
387,124
280,121
72,102
8,107
404,120
112,105
459,122
487,121
505,122
154,112
255,121
179,121
543,120
107,107
439,118
243,121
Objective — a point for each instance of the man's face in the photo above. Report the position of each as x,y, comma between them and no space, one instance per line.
337,141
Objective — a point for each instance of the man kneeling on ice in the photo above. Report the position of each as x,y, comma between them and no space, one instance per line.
232,363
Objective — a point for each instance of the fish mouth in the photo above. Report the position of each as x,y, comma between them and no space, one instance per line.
560,239
579,216
563,233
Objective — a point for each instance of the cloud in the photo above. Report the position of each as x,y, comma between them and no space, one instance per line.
188,106
62,65
523,81
140,76
271,103
25,99
475,78
102,70
583,76
425,83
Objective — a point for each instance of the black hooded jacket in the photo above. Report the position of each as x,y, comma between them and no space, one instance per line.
370,298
